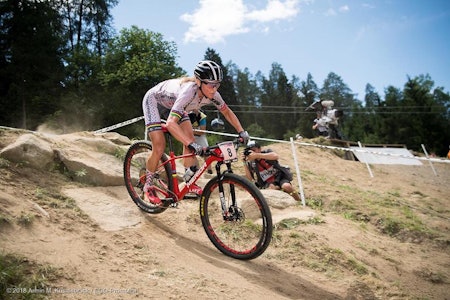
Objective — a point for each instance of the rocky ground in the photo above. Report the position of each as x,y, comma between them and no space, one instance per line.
359,237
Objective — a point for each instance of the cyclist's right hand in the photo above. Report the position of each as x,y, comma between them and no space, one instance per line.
244,137
196,148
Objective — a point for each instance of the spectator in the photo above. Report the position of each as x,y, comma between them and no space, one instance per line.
320,125
262,167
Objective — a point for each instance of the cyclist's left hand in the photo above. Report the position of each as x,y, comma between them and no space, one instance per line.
244,137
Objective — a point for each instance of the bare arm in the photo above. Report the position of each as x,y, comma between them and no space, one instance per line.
266,156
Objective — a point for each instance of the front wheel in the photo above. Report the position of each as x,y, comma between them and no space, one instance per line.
134,168
244,230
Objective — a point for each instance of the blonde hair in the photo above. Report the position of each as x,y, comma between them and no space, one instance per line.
187,79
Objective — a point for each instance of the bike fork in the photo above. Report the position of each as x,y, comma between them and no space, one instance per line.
226,212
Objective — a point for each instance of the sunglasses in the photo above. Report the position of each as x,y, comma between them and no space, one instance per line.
211,84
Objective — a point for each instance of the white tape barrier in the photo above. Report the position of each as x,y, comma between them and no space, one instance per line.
131,121
440,160
294,153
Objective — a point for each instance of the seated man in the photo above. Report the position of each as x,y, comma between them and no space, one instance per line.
264,165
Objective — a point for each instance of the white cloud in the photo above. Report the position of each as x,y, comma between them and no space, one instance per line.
367,5
216,19
332,12
344,8
275,10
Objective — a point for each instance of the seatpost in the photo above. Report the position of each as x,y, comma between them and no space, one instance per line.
169,141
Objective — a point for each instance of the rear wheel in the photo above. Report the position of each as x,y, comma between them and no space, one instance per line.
245,231
134,168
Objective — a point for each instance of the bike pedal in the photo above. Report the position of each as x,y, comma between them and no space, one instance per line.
167,201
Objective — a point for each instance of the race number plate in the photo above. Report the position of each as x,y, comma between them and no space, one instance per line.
228,151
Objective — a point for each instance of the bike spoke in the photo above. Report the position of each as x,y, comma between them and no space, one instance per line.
134,176
243,231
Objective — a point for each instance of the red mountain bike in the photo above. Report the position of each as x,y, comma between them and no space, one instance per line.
234,213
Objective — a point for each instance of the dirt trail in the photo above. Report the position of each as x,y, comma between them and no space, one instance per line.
103,247
181,256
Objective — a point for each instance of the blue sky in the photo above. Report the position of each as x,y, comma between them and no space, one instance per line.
380,42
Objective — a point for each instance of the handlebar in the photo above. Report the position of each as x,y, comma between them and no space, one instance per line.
210,150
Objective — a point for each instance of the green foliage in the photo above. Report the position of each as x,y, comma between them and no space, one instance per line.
5,219
132,64
256,130
31,67
29,279
4,163
83,76
25,219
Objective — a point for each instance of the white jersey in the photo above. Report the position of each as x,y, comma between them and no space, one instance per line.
182,96
177,96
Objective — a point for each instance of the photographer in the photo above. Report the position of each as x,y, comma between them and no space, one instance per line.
262,167
327,119
320,125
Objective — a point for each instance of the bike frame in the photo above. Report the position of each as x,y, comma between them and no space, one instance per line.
215,155
222,225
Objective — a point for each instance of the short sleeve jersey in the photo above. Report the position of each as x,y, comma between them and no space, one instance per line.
266,170
182,96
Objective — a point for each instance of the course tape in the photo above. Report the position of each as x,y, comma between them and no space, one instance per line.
131,121
439,160
334,147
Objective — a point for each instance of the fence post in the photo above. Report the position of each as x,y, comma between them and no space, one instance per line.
297,170
367,164
431,164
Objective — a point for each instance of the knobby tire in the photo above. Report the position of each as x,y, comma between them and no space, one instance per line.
134,175
246,231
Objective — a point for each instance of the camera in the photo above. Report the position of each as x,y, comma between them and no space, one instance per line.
247,151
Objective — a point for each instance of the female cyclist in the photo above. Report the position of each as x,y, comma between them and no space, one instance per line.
171,100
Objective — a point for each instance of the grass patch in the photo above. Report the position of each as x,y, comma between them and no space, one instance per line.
292,223
315,203
54,199
386,211
25,219
5,220
120,153
26,279
4,163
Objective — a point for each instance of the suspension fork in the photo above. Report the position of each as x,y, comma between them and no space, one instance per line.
225,211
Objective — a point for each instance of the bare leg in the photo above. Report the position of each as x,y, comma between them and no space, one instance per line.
158,146
288,188
187,129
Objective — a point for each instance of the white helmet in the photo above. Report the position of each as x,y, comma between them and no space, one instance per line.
217,123
208,70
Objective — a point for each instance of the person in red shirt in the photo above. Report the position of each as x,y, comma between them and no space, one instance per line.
260,167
